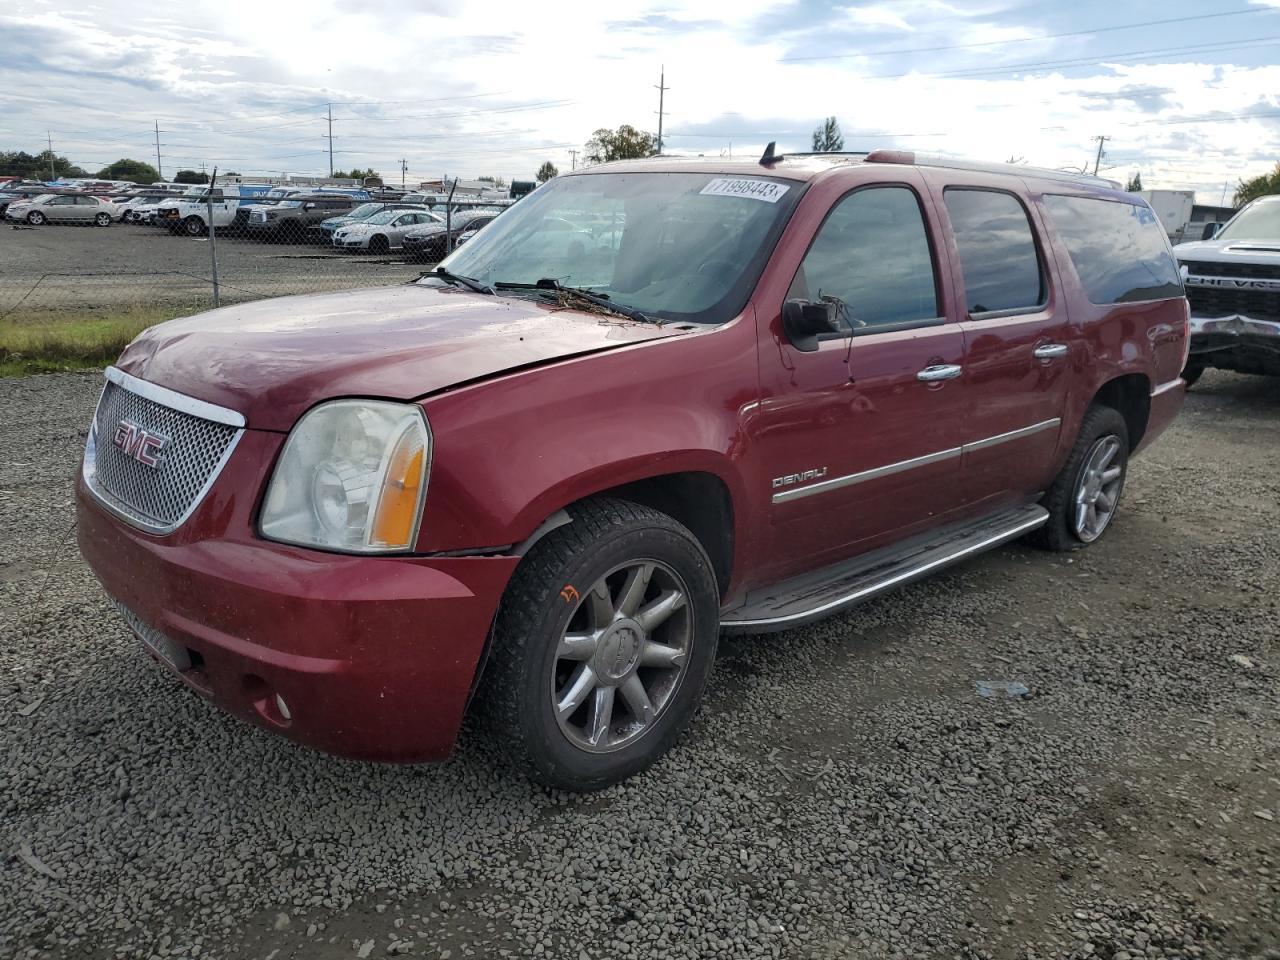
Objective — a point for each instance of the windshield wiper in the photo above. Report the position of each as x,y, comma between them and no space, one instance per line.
599,299
455,279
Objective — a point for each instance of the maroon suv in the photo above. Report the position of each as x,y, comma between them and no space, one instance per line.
726,396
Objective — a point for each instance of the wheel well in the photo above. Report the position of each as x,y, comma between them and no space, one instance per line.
1130,396
701,502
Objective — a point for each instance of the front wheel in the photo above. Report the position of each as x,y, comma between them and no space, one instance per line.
602,646
378,245
1086,494
193,227
35,218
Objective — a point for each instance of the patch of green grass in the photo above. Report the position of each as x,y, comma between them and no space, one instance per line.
51,341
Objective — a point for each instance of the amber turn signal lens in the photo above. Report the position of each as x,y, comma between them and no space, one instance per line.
400,500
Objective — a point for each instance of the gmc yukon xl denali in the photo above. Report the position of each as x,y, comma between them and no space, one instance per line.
1233,284
732,396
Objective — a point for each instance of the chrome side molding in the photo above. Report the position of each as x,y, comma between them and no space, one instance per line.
891,468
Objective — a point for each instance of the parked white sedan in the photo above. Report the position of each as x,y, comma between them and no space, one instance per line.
383,231
69,208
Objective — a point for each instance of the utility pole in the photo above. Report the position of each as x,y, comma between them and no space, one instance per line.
573,157
404,168
662,89
158,168
331,140
52,174
1097,161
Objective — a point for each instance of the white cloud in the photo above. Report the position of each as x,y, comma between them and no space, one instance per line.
499,87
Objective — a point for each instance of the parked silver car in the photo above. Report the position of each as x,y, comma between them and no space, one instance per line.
383,231
69,208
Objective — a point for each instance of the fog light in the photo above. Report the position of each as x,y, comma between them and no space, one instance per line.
283,707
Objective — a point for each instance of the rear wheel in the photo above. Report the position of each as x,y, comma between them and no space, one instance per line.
602,646
102,219
36,218
378,244
194,227
1086,494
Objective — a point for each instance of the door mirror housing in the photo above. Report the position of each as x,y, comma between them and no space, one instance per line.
804,321
1210,231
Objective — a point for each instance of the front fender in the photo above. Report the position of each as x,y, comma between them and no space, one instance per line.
509,452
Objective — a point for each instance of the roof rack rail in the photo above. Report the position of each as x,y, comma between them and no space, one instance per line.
912,158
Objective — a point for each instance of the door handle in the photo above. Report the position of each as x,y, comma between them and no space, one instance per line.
942,371
1048,351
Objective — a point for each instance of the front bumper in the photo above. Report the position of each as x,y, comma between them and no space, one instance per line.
1236,342
350,243
374,657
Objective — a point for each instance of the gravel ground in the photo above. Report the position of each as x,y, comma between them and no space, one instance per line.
845,792
75,269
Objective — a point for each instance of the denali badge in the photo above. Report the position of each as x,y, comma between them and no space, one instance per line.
140,443
793,478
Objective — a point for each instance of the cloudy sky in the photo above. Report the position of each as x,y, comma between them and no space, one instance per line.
1188,91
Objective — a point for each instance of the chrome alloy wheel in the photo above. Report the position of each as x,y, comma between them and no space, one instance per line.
622,656
1097,489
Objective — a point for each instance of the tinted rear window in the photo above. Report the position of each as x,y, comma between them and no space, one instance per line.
1119,249
997,251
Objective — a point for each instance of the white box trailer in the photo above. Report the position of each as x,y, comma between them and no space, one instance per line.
1173,207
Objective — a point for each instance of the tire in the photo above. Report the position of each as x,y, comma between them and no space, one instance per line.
378,245
1101,429
194,227
102,219
1192,373
36,218
552,597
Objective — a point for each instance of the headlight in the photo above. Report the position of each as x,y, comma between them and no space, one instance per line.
352,477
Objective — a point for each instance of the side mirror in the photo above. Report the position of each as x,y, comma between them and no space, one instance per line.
804,322
1210,231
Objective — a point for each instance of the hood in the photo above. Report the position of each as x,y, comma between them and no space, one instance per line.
273,359
1230,251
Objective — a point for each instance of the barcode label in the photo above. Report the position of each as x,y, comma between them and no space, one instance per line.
766,190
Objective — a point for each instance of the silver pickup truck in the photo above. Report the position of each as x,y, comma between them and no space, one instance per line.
1233,282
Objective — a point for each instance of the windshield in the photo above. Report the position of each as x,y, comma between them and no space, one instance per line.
289,203
1258,222
364,210
386,216
683,246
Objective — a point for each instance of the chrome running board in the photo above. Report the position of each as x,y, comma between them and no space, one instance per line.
822,593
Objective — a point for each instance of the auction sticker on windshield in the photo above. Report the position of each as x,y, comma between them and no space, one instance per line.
766,190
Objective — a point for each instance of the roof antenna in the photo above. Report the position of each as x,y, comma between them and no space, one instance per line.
769,156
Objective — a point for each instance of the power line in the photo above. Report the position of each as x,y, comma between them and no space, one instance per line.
1047,36
1080,62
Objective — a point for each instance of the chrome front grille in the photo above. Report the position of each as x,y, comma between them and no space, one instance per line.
153,453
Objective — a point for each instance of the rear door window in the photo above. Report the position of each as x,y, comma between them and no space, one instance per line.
1119,249
1002,272
872,254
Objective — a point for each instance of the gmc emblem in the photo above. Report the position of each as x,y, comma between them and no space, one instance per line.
139,443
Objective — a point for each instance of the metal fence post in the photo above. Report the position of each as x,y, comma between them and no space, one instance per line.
213,237
448,219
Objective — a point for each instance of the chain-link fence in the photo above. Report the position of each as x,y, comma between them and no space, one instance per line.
75,296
